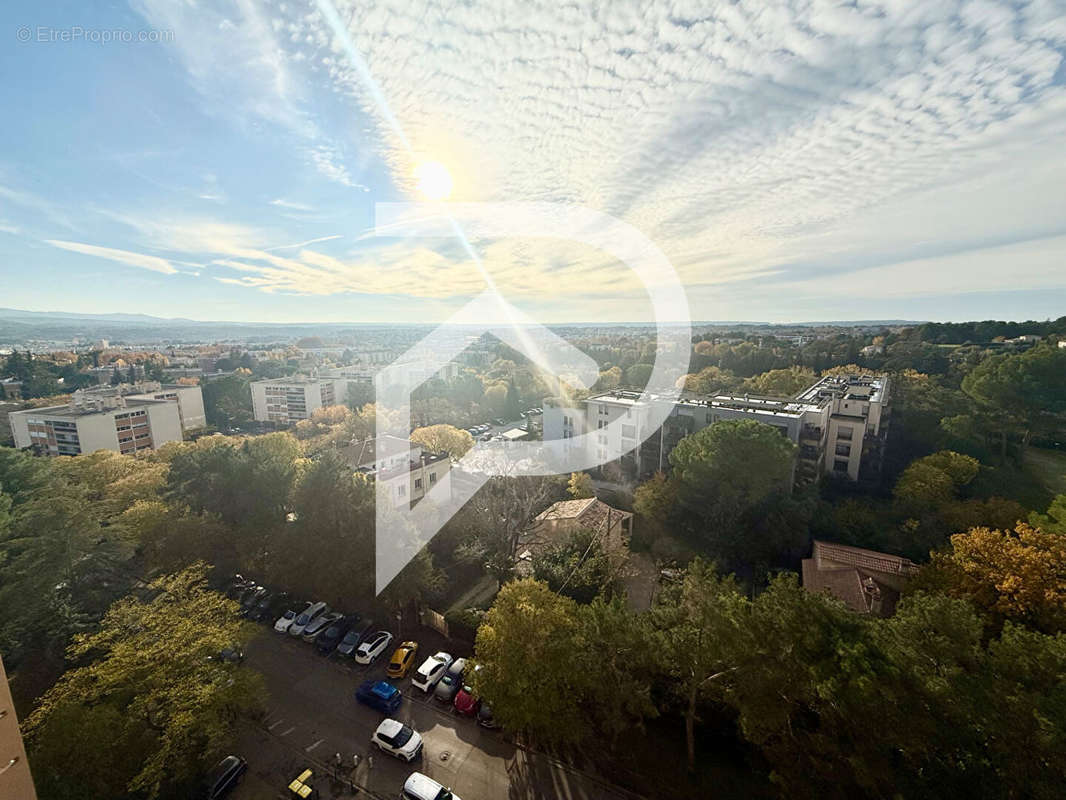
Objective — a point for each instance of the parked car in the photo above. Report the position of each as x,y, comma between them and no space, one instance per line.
397,739
354,636
332,635
285,621
306,617
465,703
251,598
226,775
498,421
319,624
485,718
271,606
373,646
451,682
431,671
402,660
422,787
379,695
238,585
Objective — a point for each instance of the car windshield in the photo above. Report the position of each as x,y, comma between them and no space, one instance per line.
302,619
448,680
290,614
403,737
351,637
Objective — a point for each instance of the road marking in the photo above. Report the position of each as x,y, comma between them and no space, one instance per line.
271,727
286,733
311,747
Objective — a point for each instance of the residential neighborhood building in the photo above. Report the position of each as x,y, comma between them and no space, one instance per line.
190,399
865,580
288,400
92,421
839,425
10,389
408,470
611,526
15,778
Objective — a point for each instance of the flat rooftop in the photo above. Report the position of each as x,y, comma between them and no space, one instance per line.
858,387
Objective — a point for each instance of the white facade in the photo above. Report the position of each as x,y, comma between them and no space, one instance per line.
407,471
114,423
837,423
289,400
190,400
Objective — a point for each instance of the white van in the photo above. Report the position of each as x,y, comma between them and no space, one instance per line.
306,617
423,787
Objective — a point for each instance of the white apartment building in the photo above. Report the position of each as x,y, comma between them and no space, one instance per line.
190,399
838,423
288,400
97,422
407,470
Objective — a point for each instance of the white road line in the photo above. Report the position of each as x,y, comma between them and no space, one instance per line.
271,727
286,733
311,747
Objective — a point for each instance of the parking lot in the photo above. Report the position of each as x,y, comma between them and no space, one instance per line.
312,716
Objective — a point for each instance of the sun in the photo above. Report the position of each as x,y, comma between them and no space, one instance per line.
434,180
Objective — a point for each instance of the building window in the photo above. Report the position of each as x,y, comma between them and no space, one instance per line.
418,483
602,424
843,449
845,432
840,466
401,491
432,478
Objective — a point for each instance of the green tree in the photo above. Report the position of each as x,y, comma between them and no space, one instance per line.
577,567
698,626
726,470
1020,394
155,662
528,648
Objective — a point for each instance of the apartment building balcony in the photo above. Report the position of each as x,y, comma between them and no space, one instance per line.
811,433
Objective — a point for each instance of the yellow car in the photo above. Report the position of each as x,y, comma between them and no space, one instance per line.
402,660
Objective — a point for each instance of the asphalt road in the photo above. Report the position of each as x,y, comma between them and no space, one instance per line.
313,715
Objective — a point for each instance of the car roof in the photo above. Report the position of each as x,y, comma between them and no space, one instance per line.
422,784
390,727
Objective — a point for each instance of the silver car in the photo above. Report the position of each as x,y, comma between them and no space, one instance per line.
451,683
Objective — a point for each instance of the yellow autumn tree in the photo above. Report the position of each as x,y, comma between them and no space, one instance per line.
1017,575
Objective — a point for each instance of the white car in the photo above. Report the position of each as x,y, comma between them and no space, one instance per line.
397,739
306,617
422,787
285,620
431,671
374,646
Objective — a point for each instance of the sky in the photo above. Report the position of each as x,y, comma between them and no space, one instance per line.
794,161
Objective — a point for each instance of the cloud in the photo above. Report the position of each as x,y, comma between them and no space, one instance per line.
282,203
141,260
761,147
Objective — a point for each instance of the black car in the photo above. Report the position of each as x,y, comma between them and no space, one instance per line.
327,641
224,777
251,599
485,718
357,629
270,606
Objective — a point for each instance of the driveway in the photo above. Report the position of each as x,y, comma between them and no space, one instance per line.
312,717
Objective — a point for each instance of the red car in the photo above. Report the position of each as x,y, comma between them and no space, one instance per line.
465,702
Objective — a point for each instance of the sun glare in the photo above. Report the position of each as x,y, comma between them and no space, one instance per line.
434,180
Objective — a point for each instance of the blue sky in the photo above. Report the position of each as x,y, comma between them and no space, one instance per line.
795,161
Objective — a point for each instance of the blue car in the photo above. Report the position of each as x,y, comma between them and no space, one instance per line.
379,695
